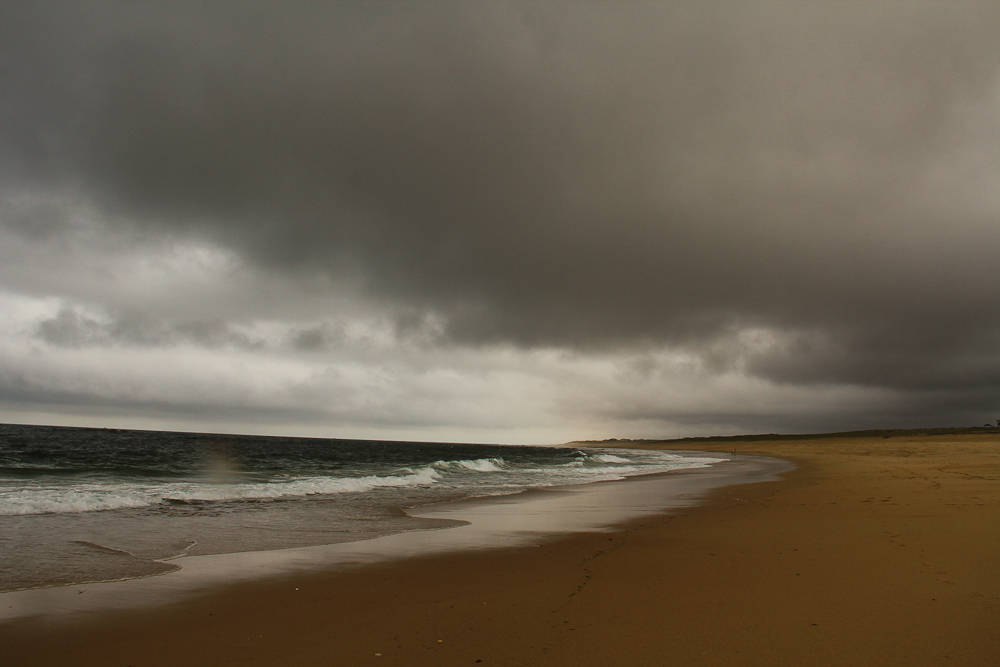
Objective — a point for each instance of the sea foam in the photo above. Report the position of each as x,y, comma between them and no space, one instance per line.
97,497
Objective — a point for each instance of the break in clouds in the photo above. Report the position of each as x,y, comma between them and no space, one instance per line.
500,221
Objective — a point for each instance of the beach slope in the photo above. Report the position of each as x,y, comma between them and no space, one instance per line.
874,551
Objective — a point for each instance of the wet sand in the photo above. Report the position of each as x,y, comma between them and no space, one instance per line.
872,552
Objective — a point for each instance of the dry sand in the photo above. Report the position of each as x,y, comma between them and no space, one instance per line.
873,552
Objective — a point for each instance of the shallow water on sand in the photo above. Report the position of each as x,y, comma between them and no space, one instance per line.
88,505
523,519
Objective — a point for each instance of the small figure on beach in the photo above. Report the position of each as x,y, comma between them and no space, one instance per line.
734,454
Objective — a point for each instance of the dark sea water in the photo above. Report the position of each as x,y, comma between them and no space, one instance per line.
83,505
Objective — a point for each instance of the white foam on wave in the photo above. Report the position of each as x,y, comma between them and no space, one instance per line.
598,466
578,474
471,465
610,458
69,500
486,475
97,497
587,459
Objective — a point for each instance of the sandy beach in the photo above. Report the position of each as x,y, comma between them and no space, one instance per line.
874,551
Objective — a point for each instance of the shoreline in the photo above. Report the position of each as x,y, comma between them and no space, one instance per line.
526,518
870,552
327,493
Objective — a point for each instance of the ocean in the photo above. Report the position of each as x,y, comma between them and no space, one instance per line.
82,505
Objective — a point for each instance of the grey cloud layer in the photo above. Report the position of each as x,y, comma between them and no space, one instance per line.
547,174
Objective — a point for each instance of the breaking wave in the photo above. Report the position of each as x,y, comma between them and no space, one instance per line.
96,497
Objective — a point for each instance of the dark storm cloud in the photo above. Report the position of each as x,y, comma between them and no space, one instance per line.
584,175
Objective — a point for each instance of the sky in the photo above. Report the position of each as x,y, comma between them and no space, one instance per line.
517,222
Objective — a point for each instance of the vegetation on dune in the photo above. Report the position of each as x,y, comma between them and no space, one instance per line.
874,433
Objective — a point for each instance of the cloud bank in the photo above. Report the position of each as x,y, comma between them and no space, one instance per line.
501,221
